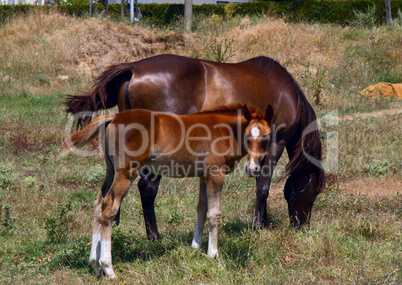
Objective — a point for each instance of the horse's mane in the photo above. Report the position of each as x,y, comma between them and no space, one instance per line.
265,64
232,108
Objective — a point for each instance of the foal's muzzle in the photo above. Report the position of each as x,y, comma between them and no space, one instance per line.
253,171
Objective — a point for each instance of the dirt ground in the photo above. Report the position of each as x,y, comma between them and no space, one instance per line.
371,187
375,114
388,186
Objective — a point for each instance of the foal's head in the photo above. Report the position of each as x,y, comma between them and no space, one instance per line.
258,134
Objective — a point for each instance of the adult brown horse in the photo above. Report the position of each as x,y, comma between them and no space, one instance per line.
207,144
181,85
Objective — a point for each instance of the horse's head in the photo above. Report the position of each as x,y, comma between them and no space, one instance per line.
258,133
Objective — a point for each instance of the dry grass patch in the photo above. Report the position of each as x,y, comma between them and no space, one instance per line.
388,186
331,62
40,48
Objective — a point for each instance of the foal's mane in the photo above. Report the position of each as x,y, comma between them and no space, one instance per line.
233,108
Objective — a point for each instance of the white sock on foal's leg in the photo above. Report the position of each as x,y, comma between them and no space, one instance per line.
106,258
212,248
197,239
95,252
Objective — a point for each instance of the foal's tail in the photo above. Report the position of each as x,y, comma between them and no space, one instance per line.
86,135
103,94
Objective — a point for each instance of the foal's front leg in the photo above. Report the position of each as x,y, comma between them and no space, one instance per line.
214,193
201,214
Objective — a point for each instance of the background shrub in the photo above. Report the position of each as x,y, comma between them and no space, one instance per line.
321,11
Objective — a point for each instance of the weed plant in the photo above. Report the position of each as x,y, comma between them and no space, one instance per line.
365,19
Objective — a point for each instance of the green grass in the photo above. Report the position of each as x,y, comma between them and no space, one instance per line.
367,145
354,238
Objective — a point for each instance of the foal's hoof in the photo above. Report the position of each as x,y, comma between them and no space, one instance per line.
111,276
109,273
213,254
96,266
195,245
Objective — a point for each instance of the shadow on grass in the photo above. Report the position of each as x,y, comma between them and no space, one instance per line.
128,246
235,226
235,240
238,226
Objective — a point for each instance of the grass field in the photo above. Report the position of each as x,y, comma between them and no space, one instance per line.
46,201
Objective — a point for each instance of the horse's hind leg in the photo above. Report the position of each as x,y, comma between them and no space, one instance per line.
148,186
109,207
201,214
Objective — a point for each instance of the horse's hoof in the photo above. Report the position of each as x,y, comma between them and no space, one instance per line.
153,237
257,226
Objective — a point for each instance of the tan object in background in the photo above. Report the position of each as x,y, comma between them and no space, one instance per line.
383,89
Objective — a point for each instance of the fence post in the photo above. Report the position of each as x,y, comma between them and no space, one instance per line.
388,12
131,11
122,9
188,14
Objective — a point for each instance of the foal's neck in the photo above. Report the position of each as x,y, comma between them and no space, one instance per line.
232,118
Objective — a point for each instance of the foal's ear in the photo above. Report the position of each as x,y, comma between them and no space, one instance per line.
246,112
269,114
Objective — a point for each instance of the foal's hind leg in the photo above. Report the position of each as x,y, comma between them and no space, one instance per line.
96,222
96,235
201,214
110,206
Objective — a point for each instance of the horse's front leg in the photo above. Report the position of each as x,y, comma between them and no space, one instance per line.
201,214
110,206
275,151
214,193
148,187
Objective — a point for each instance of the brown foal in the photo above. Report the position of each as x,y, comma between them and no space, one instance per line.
207,144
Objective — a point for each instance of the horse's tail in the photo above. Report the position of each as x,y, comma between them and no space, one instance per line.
308,150
104,92
86,135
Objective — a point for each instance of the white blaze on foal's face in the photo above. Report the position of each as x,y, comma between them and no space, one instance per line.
255,132
257,141
252,164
